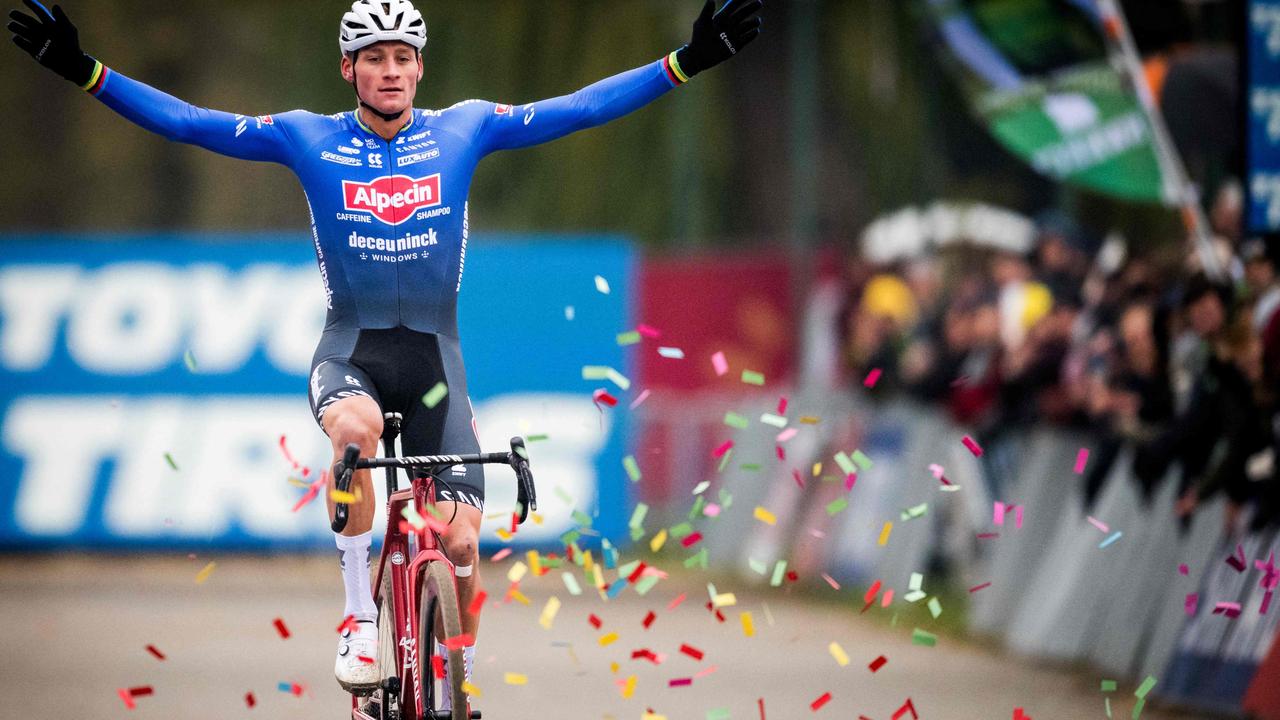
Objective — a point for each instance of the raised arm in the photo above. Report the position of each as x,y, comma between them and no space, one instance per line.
54,42
717,36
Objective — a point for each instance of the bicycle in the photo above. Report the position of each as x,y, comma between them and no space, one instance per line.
416,580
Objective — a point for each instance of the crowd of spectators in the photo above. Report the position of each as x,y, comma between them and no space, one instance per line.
1140,348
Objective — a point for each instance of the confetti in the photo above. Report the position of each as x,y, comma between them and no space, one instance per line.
281,628
671,353
748,626
1082,458
628,338
633,470
976,588
601,372
884,534
922,637
872,378
787,434
837,505
205,573
1230,609
629,687
722,449
676,602
692,652
435,395
644,395
773,420
250,700
568,312
126,698
878,663
838,653
823,700
734,420
1191,602
831,581
719,363
190,359
601,397
906,707
765,516
751,377
648,619
1111,540
935,607
1098,524
470,689
1183,569
658,540
609,639
679,682
1237,561
515,679
972,445
340,496
602,285
169,459
155,651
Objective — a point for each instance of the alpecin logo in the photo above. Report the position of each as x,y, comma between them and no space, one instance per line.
392,199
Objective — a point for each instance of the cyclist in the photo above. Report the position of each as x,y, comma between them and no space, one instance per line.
387,188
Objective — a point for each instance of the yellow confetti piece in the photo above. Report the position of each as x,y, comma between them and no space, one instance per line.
599,578
587,563
614,667
607,640
515,679
503,534
765,516
748,625
205,573
658,541
817,469
537,518
810,420
535,562
342,497
884,534
517,572
470,689
629,688
653,716
724,600
549,612
519,597
838,653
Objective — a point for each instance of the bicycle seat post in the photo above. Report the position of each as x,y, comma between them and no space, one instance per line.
390,431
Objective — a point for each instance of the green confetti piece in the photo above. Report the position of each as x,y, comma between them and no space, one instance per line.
633,470
1108,686
915,596
935,607
1108,706
758,566
915,512
169,459
750,467
581,518
618,379
845,463
570,537
893,620
1138,707
837,505
190,359
604,372
862,460
629,338
779,570
699,559
571,584
775,420
646,583
734,420
538,438
751,377
1145,687
916,581
726,499
563,495
724,460
682,530
718,714
698,504
435,395
552,563
637,515
626,570
921,637
636,533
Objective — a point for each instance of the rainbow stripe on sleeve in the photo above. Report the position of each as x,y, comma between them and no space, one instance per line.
675,74
97,80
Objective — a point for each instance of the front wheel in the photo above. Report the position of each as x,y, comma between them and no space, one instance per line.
438,613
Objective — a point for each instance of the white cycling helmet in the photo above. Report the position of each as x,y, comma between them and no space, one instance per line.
373,21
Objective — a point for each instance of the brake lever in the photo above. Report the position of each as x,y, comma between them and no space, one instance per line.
343,472
526,491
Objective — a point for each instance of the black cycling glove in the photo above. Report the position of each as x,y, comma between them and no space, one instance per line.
719,36
53,41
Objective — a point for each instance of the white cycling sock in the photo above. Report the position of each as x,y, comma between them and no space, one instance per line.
468,661
353,555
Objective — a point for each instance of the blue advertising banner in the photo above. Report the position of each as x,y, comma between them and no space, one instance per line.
1262,117
150,386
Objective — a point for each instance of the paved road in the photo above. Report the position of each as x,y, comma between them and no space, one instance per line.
77,628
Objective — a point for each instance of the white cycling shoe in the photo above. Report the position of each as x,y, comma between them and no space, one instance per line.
357,676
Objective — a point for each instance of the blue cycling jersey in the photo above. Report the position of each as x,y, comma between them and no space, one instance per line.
388,217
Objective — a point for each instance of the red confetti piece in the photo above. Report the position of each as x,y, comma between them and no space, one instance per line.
782,454
649,332
595,621
691,540
798,478
250,700
457,642
760,702
782,405
878,663
648,619
477,602
987,536
976,588
348,623
720,451
365,659
873,377
973,446
692,652
437,666
1018,714
904,709
602,397
141,691
817,704
126,698
644,654
296,690
515,523
280,628
635,574
155,651
312,491
680,682
1183,569
792,576
674,603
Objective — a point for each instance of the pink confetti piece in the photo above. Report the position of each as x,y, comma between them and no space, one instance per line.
287,455
973,446
1082,458
782,405
997,513
126,698
711,510
649,332
782,454
976,588
988,536
679,682
850,480
887,599
312,491
1098,524
719,363
644,395
720,451
939,474
1230,609
872,378
1183,569
831,581
705,672
787,434
1237,561
501,555
1191,602
676,603
795,474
